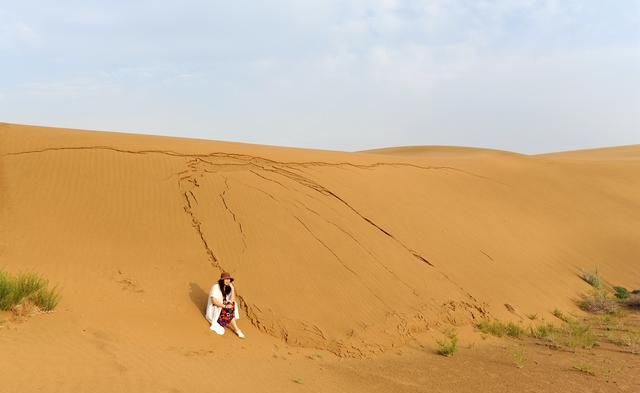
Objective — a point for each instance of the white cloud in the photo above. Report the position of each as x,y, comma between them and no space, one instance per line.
329,73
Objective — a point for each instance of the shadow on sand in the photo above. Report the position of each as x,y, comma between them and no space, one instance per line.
198,297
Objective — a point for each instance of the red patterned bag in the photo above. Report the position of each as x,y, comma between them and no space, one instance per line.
226,315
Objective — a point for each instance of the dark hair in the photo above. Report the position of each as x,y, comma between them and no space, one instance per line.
225,289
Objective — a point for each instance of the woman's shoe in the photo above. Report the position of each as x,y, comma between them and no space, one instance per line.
217,328
239,333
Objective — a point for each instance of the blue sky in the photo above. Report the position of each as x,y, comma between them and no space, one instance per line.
529,75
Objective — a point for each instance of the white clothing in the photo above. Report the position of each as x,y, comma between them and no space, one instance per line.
213,312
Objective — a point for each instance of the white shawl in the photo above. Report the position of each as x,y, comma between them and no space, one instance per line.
213,312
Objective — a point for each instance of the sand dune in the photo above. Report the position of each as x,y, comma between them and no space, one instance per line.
350,253
439,151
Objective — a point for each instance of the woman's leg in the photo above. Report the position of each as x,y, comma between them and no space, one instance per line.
236,328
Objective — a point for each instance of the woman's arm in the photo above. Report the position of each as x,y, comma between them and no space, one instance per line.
232,297
215,302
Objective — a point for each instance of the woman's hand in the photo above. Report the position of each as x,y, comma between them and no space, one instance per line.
228,305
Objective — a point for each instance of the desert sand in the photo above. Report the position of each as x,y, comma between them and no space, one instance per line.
348,265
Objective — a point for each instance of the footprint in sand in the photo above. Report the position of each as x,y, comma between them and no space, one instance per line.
128,284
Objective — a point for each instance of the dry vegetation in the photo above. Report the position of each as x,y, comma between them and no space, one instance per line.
612,319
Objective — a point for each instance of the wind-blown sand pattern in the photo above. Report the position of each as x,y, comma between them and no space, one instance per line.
341,257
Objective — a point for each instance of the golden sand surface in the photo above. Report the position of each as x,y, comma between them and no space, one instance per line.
348,265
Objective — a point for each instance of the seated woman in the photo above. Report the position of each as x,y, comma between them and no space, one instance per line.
222,309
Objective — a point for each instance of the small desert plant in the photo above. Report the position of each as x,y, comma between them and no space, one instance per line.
542,331
46,299
612,320
16,292
598,301
626,339
448,346
514,330
576,334
592,279
532,317
499,329
520,357
27,284
621,292
495,328
560,315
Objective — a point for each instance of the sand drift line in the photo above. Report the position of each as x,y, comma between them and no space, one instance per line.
245,157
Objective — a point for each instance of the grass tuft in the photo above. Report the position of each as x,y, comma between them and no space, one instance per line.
16,292
572,333
542,331
6,291
575,334
448,346
560,315
520,357
499,329
624,339
27,284
592,279
47,299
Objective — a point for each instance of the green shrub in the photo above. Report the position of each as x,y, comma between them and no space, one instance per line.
592,279
621,292
448,346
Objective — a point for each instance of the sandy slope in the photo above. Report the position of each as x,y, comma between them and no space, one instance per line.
347,254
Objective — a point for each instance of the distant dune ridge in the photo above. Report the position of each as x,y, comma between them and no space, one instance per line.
349,252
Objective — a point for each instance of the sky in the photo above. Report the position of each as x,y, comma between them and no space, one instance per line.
529,76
